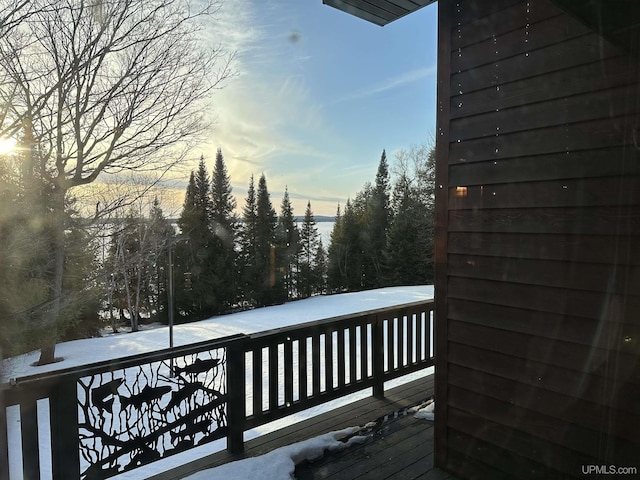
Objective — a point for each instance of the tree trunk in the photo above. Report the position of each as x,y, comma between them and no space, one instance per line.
48,348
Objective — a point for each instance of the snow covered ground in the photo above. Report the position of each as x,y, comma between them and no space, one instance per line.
82,352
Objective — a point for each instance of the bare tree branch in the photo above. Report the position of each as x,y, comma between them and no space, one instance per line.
105,86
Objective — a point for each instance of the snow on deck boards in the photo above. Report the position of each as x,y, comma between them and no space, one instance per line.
400,449
357,413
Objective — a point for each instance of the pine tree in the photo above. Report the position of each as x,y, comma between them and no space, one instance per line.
409,257
358,271
336,281
248,242
320,263
24,252
225,230
378,221
80,282
265,246
161,232
346,270
309,241
406,242
27,233
195,292
287,247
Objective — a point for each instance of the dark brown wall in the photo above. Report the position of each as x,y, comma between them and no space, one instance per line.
538,244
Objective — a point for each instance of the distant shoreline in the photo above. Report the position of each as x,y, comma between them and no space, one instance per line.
297,218
317,218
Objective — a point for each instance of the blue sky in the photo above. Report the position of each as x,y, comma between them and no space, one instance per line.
318,95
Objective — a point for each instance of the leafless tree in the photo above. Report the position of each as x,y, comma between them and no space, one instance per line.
103,86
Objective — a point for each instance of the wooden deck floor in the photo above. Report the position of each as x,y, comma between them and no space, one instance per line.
400,448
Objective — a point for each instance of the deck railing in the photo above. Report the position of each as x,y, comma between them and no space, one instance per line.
99,420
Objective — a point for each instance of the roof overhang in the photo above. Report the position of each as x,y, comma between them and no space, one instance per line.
379,12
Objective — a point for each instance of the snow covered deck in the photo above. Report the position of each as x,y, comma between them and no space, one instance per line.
144,414
399,446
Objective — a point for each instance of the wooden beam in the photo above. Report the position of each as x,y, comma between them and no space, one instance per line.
445,22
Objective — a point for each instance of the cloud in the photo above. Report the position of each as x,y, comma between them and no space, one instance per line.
391,84
266,114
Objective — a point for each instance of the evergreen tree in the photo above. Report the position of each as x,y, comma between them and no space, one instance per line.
336,279
377,224
356,239
195,293
409,257
225,230
347,257
80,282
309,241
248,244
377,242
320,263
161,232
406,243
27,233
267,293
287,247
23,261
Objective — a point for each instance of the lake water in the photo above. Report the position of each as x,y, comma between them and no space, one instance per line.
324,229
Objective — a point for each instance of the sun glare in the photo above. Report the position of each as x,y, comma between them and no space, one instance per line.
7,145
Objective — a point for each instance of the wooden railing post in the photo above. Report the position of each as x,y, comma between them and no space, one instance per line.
29,433
288,372
65,452
378,357
236,410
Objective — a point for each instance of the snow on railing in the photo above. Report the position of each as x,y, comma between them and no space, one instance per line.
99,420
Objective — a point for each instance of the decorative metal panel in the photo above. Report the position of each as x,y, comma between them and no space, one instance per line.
137,415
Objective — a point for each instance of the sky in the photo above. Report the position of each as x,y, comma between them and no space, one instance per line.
317,96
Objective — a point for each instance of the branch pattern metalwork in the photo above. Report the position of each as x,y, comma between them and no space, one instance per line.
137,415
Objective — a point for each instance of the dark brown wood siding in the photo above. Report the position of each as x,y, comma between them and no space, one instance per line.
538,248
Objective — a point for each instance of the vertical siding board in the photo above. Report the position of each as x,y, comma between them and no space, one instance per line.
446,12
